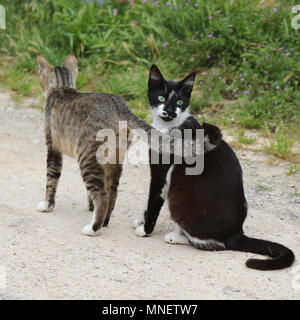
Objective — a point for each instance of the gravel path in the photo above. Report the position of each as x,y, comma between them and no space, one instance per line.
44,255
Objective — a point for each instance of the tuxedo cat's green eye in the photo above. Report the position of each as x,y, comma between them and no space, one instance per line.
161,98
179,102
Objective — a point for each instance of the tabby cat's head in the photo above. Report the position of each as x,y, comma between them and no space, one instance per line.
169,99
57,77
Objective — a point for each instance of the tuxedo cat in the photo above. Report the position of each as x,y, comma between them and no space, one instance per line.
208,209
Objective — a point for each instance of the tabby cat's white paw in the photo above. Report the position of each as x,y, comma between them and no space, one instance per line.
88,231
140,231
137,222
175,237
43,206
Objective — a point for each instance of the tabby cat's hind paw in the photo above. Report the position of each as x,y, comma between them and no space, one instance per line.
88,231
43,206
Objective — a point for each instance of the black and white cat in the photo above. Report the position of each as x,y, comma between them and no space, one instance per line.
208,209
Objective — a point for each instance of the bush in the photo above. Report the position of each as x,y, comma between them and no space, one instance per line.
243,50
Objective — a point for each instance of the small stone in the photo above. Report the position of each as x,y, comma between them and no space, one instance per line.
228,290
12,225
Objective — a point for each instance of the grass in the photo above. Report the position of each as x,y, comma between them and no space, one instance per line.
245,53
295,193
262,187
23,84
281,146
242,138
293,169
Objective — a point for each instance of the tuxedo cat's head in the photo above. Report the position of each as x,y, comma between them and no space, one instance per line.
169,99
57,77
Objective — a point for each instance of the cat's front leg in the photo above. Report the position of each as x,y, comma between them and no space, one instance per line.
54,165
146,222
141,219
146,226
138,223
90,203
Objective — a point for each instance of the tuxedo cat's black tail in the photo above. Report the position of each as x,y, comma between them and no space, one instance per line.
282,257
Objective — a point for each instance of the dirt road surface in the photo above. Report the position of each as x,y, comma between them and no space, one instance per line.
44,255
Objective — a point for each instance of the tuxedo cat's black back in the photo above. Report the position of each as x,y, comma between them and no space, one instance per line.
217,194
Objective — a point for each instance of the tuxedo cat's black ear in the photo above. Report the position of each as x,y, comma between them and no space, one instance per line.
156,79
188,81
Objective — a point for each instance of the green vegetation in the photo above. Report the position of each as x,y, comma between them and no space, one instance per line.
261,187
293,169
242,138
296,193
246,54
281,146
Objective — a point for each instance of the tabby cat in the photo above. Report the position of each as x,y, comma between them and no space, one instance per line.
72,120
208,209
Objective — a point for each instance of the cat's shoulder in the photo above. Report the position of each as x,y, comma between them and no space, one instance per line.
191,122
213,132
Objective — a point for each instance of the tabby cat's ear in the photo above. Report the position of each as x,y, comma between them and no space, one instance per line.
44,69
188,81
156,80
44,65
71,63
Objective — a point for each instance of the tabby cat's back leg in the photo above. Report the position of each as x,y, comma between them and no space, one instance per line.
98,215
93,175
54,166
113,179
90,203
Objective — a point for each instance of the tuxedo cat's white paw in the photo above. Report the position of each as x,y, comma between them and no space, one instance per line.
140,231
137,222
43,206
88,231
175,237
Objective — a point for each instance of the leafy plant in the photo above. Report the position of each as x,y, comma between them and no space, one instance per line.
245,52
281,146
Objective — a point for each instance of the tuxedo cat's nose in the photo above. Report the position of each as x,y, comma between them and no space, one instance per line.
172,114
170,111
